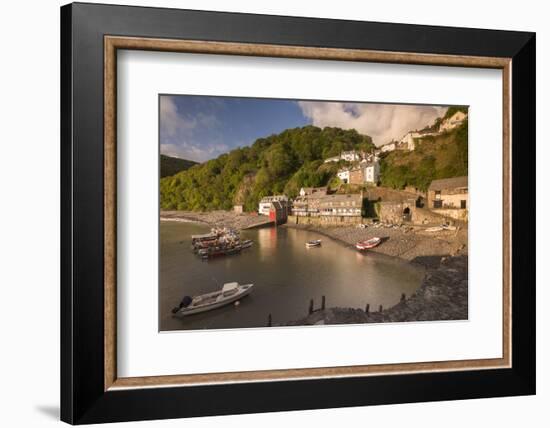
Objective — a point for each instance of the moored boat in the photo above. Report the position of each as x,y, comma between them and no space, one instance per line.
246,244
314,243
368,244
220,251
205,237
230,292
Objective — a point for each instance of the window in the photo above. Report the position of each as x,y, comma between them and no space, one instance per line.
438,194
463,204
438,204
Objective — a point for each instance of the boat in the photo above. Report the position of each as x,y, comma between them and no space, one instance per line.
434,229
368,244
246,244
229,293
314,243
205,237
448,227
220,251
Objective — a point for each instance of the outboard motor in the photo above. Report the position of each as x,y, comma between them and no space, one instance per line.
186,301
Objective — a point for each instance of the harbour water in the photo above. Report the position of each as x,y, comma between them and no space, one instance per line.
286,275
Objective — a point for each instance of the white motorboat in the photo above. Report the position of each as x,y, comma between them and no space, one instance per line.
230,292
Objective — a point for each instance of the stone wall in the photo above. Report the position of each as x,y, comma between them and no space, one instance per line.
397,212
356,176
325,220
426,216
456,214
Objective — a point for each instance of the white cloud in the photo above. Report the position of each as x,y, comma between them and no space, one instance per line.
383,122
170,120
178,131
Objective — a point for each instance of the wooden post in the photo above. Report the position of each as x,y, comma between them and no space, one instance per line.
269,320
323,301
403,297
311,306
380,308
367,309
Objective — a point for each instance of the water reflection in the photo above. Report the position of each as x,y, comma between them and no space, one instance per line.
286,276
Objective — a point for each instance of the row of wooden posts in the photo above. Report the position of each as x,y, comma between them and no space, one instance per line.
323,306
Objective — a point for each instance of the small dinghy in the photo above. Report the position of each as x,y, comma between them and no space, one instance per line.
315,243
230,292
368,244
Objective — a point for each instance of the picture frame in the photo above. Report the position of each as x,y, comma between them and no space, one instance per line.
91,391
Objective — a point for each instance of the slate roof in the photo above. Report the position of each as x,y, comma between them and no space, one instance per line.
449,183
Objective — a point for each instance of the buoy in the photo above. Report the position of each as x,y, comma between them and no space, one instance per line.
237,303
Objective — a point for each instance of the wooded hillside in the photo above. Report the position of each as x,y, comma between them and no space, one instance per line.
277,164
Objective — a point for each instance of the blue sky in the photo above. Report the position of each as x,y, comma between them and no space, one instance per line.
199,128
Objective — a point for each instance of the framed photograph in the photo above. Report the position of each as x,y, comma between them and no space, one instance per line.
266,213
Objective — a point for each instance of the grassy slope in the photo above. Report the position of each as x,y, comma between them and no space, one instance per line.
437,157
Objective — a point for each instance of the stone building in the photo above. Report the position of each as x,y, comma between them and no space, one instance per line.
335,208
397,211
356,175
306,191
449,197
346,205
306,206
365,172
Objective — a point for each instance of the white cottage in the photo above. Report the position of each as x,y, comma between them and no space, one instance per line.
389,147
343,175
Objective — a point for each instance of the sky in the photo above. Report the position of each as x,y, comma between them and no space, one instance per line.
199,128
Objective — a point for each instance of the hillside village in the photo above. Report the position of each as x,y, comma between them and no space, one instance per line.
358,194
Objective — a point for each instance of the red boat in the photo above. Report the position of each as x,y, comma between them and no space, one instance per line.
368,244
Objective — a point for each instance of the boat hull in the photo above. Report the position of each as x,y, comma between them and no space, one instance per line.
367,245
216,305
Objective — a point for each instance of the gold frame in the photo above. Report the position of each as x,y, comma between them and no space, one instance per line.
113,43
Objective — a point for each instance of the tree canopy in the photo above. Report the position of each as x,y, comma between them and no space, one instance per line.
280,163
171,165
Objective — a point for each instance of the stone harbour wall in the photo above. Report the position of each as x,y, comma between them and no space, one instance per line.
324,220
